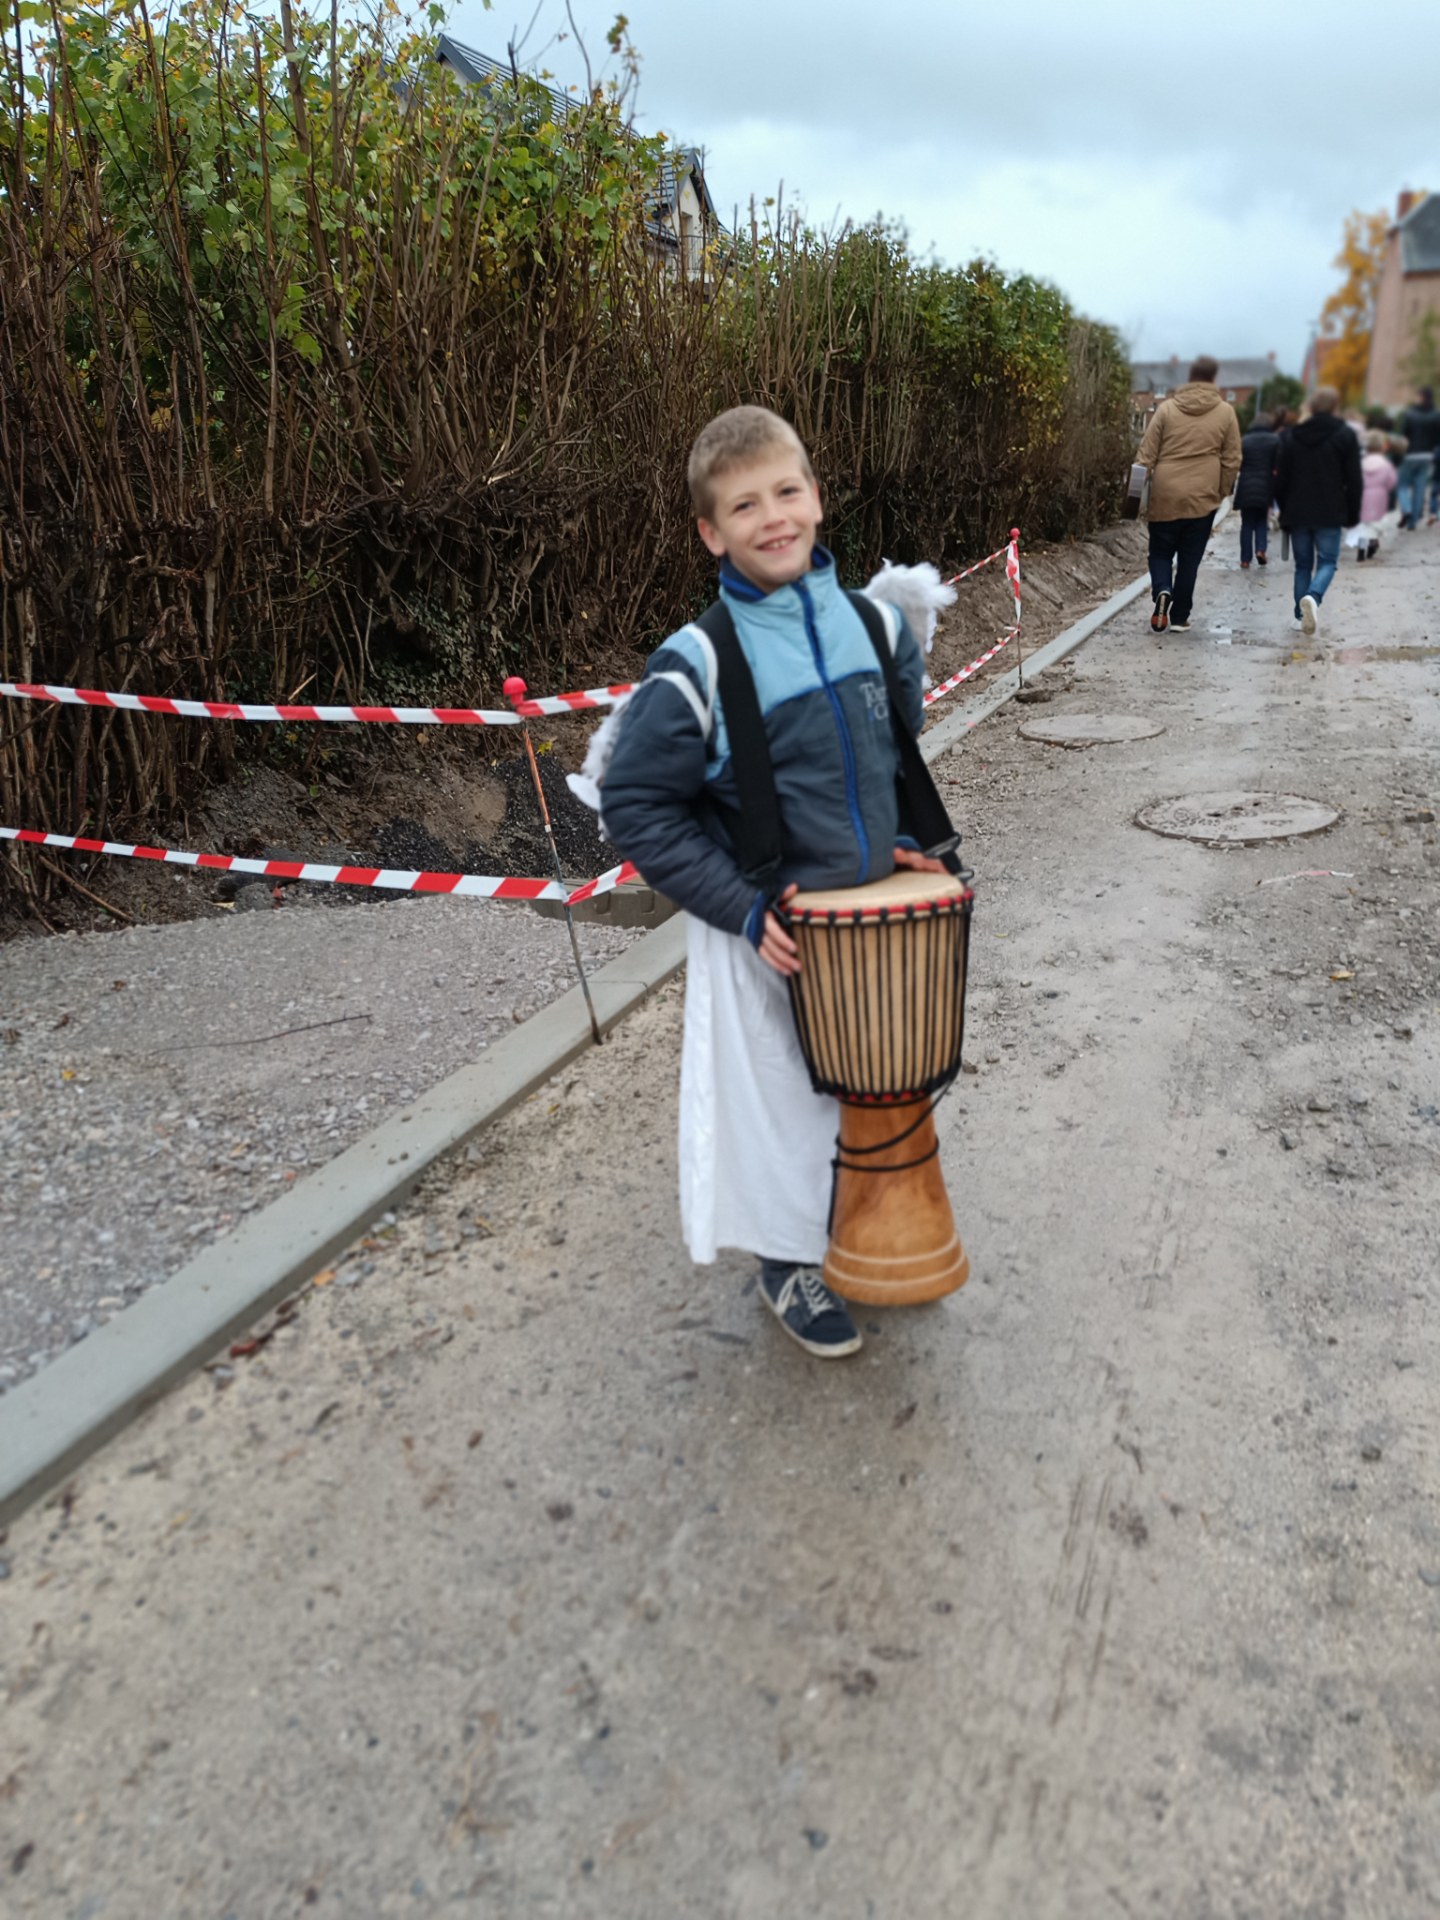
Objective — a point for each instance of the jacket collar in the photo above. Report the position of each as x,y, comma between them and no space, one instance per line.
821,580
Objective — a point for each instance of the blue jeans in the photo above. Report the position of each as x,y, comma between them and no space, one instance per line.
1317,554
1254,532
1414,472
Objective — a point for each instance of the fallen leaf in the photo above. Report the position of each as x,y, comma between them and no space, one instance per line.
476,1437
905,1415
324,1278
1345,973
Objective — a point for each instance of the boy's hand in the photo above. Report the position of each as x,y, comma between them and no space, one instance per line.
776,947
918,862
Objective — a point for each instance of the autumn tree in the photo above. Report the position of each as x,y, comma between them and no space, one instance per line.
1349,313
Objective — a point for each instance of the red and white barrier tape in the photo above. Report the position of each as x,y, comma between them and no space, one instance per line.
616,877
590,701
478,885
954,579
242,710
948,686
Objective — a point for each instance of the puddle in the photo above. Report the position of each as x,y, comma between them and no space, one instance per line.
1362,656
1305,654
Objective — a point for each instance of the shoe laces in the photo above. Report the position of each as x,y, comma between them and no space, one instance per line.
807,1283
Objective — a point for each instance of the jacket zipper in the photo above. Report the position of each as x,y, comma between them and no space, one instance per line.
847,749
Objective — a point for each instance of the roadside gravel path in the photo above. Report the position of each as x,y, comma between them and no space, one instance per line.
145,1106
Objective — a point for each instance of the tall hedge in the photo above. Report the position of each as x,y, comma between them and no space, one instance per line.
324,375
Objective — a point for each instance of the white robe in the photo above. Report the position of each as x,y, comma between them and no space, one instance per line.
756,1140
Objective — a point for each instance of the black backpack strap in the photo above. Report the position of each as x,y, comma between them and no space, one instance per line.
923,812
757,828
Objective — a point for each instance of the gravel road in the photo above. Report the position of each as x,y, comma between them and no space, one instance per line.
158,1084
536,1574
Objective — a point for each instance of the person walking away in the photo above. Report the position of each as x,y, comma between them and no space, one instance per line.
1420,425
1192,451
1377,478
1318,484
1255,489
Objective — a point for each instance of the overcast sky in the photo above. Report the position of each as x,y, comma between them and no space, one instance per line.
1182,171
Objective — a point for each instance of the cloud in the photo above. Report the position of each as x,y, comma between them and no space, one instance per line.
1182,172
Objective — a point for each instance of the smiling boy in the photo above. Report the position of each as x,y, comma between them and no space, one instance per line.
756,1141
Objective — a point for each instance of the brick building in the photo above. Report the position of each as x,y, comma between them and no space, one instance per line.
1407,296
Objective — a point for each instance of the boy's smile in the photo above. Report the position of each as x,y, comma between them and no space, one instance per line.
765,518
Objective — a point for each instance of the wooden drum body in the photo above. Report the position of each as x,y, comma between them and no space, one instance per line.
880,1009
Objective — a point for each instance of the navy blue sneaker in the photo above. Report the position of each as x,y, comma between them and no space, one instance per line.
810,1313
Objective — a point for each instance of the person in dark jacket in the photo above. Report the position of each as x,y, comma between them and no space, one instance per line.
1318,487
1255,488
1420,425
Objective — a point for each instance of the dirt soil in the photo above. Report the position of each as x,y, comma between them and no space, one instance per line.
461,799
529,1571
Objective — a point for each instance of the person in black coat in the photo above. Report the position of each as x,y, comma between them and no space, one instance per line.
1255,488
1317,487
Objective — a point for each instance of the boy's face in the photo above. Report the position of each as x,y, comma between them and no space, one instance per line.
765,518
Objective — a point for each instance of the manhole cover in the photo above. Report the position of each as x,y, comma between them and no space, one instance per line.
1236,819
1090,729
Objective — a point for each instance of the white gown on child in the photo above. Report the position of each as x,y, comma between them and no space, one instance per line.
756,1140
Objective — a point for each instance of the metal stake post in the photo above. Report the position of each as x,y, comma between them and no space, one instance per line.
515,691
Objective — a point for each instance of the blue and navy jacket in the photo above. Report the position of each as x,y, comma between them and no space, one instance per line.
669,793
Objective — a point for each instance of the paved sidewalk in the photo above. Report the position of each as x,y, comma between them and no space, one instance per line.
529,1571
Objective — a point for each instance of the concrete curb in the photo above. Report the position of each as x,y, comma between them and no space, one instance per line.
50,1424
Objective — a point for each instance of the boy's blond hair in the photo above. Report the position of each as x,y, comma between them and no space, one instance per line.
733,439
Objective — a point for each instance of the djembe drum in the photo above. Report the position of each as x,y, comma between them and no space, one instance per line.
879,1005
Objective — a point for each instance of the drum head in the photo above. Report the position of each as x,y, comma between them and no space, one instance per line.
903,888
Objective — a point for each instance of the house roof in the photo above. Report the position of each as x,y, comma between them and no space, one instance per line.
1420,237
1163,376
481,71
686,163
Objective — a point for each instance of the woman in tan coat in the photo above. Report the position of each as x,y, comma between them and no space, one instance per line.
1192,450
